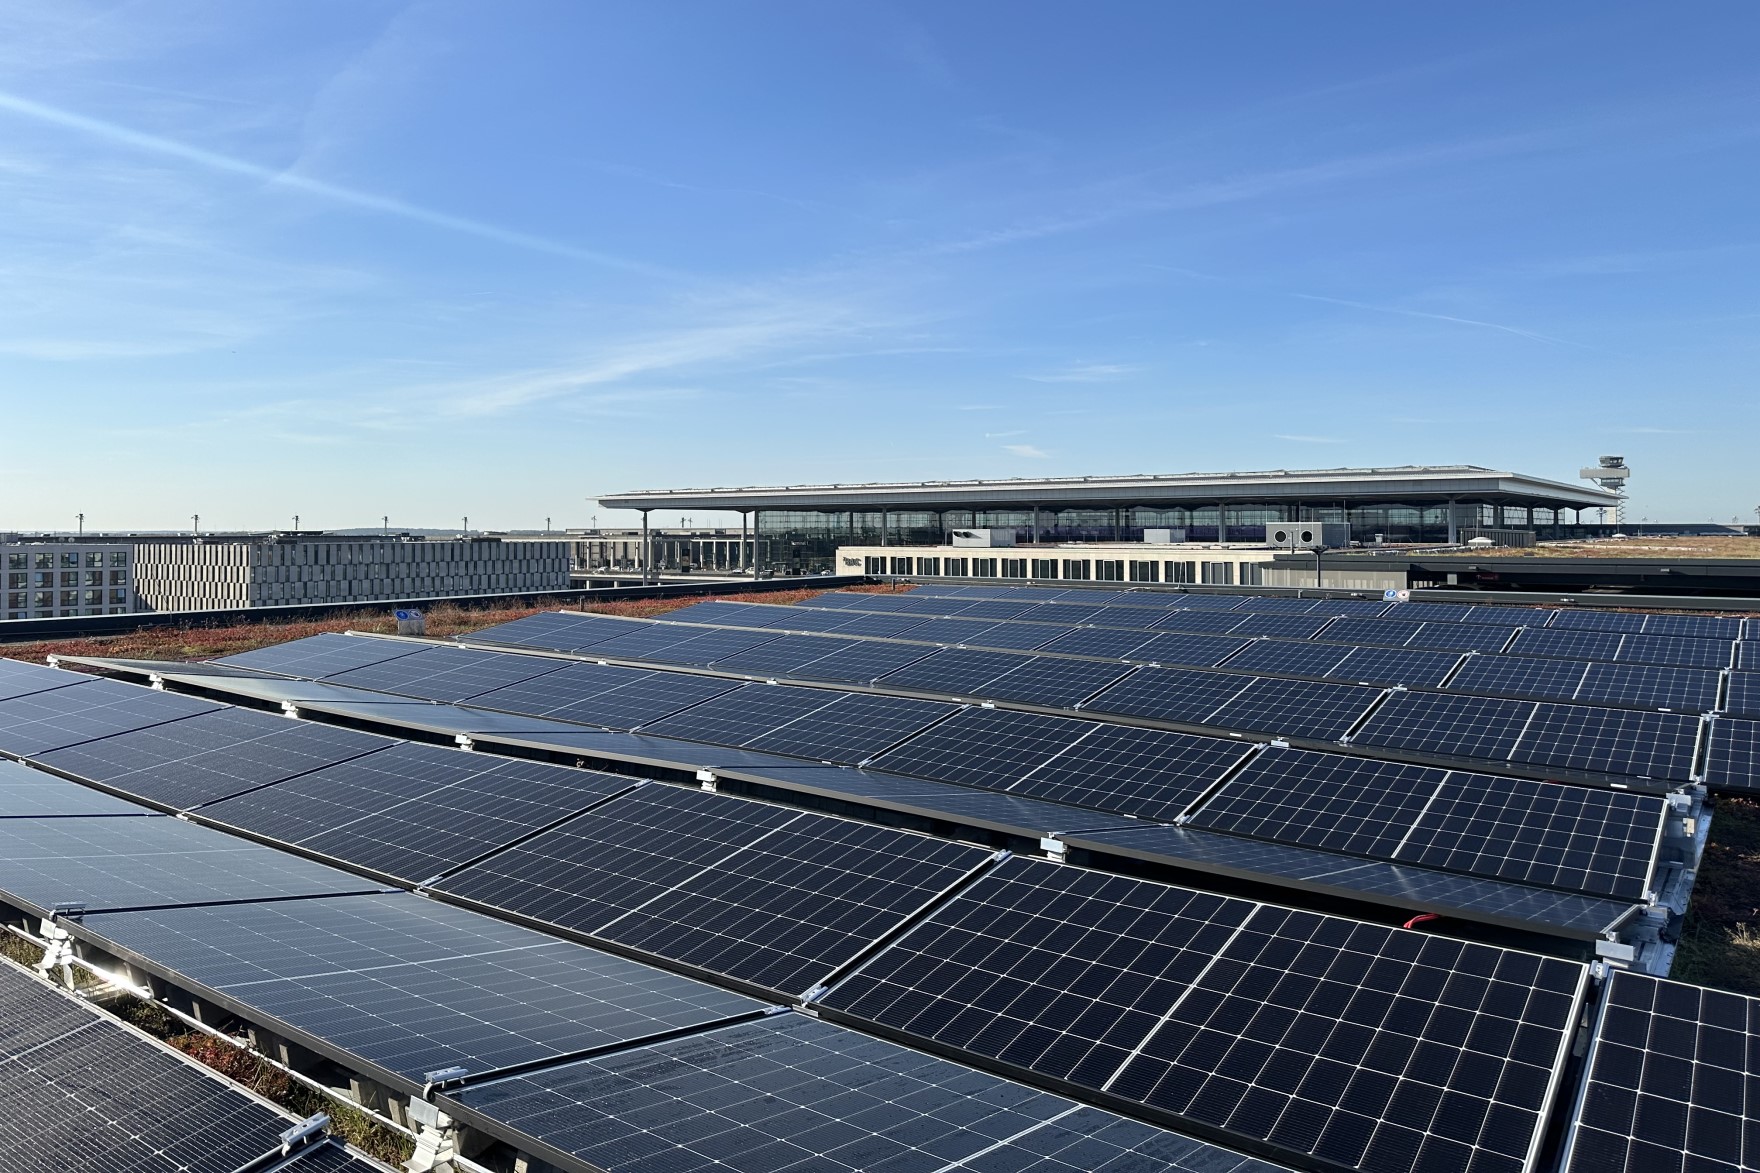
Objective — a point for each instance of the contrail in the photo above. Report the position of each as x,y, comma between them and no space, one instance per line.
214,161
1387,309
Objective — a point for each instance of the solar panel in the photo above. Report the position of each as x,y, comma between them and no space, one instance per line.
863,663
797,903
18,678
790,1092
1636,743
1348,1043
1199,622
1294,657
1677,650
1170,694
1446,725
1669,1082
44,721
1698,626
774,898
1732,761
1614,621
705,647
1520,676
635,697
1748,655
716,611
1282,606
1098,641
27,793
146,863
992,748
94,1097
1199,651
1392,633
1743,698
734,718
414,812
651,641
183,764
413,985
1434,612
1149,773
1571,645
1412,668
1507,616
1454,637
1402,886
550,630
1596,841
1295,708
1352,805
1054,683
949,631
1690,690
783,656
1287,626
852,728
997,609
317,656
1068,613
953,671
447,674
859,622
1024,637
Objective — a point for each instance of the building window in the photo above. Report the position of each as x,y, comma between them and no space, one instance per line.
1219,573
118,577
94,598
873,565
94,557
119,557
15,599
43,578
70,598
15,561
1145,572
119,595
43,561
1075,568
1182,572
983,568
42,599
17,582
70,558
956,568
1109,569
1014,568
94,578
1044,568
901,565
929,566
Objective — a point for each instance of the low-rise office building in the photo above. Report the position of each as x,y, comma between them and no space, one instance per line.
1207,564
53,576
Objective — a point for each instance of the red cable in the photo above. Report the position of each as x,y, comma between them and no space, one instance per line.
1420,919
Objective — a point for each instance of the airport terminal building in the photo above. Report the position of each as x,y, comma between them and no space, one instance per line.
798,528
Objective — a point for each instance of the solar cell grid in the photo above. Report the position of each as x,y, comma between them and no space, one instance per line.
1689,690
1286,626
1520,676
1571,645
793,906
1199,651
1070,613
849,622
1432,612
1697,626
18,678
616,857
781,656
1632,742
1294,657
1677,650
1169,694
790,1092
1596,841
1054,683
991,748
1296,708
705,648
647,698
27,793
1396,666
1447,725
1498,616
732,614
549,630
736,717
321,655
1392,633
1619,622
852,728
1361,1046
1743,697
414,985
45,721
200,759
1732,759
1454,637
864,662
1200,622
1669,1081
448,674
950,631
1282,606
996,609
555,690
1748,655
952,671
1351,805
1149,773
1019,636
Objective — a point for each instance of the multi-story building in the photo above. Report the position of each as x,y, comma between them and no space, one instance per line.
1205,563
225,571
53,576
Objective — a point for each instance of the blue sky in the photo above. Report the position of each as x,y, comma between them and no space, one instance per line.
344,258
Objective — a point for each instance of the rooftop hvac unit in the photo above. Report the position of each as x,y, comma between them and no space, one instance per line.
1164,537
982,537
1305,535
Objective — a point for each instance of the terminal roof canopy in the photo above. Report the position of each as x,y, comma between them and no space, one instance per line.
1406,484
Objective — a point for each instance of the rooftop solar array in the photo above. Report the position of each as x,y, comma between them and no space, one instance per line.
412,985
764,895
80,1093
18,678
1360,1046
60,717
321,655
27,793
790,1092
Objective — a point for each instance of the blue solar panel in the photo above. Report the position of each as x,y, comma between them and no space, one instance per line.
1687,690
1698,626
1408,666
1443,725
1632,742
1520,676
1098,641
1744,694
1732,761
1294,657
1678,650
18,678
1620,622
1199,651
1570,645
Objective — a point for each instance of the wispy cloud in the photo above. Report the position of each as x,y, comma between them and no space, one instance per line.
1307,439
1094,372
1388,309
1026,450
368,201
1004,435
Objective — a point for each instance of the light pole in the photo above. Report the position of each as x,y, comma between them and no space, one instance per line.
1318,572
296,523
385,524
467,526
82,524
195,521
